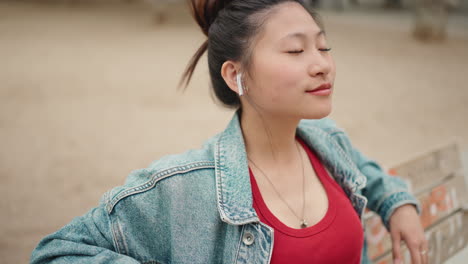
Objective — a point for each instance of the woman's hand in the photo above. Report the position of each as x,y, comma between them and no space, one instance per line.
405,224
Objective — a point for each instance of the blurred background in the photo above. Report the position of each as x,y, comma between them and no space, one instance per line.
88,94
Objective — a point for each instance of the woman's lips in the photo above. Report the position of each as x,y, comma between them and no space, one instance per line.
324,89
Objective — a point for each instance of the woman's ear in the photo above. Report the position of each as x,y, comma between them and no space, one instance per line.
229,71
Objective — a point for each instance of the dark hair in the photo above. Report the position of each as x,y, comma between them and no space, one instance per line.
230,26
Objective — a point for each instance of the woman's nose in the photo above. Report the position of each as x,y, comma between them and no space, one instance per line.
320,63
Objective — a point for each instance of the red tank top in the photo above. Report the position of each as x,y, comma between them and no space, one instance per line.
336,238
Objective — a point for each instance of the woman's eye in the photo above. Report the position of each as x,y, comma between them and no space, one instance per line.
295,51
300,51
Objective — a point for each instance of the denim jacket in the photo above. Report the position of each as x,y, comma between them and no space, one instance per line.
196,207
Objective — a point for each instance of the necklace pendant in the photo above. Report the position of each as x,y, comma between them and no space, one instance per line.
304,224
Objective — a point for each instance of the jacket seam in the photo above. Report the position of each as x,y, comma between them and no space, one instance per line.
239,244
155,178
382,200
272,237
393,207
118,238
113,234
348,159
336,131
361,215
219,177
353,165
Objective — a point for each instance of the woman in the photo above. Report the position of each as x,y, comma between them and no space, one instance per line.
270,188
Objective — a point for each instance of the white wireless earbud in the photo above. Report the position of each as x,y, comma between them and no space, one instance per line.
239,84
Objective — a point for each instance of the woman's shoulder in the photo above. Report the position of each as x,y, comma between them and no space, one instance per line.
169,172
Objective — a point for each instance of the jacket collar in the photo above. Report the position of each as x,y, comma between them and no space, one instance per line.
233,188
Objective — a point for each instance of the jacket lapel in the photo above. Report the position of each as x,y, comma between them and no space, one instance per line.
332,155
233,187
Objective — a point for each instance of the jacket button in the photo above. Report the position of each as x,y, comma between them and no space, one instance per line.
248,238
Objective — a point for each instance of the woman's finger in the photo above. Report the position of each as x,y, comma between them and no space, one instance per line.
425,255
396,250
415,250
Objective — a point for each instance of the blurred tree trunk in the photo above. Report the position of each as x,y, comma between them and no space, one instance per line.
431,17
393,4
161,9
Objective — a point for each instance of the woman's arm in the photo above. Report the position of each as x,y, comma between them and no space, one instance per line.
86,239
390,197
384,192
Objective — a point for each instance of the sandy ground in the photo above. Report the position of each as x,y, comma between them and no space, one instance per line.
87,94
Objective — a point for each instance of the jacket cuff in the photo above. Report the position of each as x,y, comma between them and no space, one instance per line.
394,201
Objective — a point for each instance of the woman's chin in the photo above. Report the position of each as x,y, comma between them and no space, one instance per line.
318,113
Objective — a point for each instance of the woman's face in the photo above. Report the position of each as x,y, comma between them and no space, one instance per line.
289,59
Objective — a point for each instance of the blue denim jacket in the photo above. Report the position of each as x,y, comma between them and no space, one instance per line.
196,207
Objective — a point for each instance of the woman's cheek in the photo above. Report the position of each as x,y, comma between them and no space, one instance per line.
279,77
285,71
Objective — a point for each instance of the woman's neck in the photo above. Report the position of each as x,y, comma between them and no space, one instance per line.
269,140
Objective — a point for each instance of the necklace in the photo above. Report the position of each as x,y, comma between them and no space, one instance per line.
302,220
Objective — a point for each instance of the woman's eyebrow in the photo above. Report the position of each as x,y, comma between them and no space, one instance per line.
302,35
